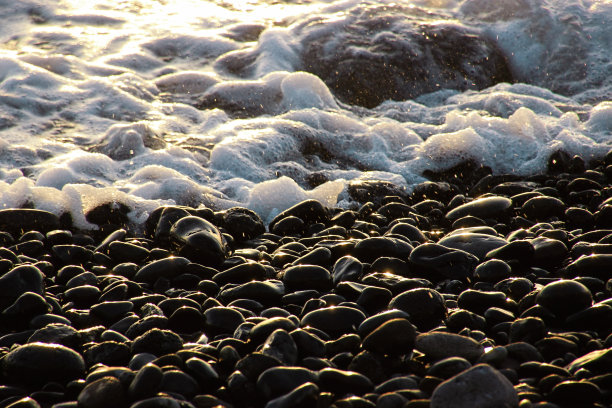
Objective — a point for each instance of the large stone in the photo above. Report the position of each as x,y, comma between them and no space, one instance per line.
441,345
480,386
474,243
19,220
488,207
19,280
199,240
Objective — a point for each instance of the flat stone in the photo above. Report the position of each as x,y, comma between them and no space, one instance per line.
334,320
39,363
441,345
268,292
480,386
445,261
475,243
302,277
488,207
344,382
162,268
16,221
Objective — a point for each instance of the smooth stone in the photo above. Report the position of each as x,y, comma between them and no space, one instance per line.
306,395
394,283
528,329
474,243
395,210
110,353
102,393
543,207
597,266
597,362
72,254
268,292
176,381
162,268
342,382
56,333
480,386
391,265
564,297
242,224
308,344
222,320
83,296
374,299
111,311
186,319
310,211
575,393
18,220
448,367
488,207
26,402
146,382
288,226
141,326
521,250
41,362
121,251
461,318
595,318
157,342
199,240
25,307
425,307
321,256
334,320
277,381
441,345
396,336
479,301
548,253
19,280
281,346
347,268
445,261
41,321
157,402
203,373
241,273
369,249
303,277
409,231
263,329
493,270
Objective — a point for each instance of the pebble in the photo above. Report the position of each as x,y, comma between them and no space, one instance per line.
243,224
157,342
488,207
441,345
334,320
425,307
342,382
36,363
474,243
564,297
447,262
102,393
19,280
304,277
277,381
18,220
199,240
162,268
346,268
479,386
303,396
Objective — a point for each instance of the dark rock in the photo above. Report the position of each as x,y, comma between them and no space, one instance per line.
597,362
445,261
308,344
101,393
493,270
409,231
38,363
309,211
19,280
203,373
346,268
146,382
320,256
344,382
222,320
241,273
243,224
411,59
302,277
369,249
521,250
25,307
564,297
16,221
575,393
393,211
548,253
363,191
448,367
268,292
277,381
161,268
186,319
56,333
478,301
529,329
288,226
157,342
110,353
441,345
425,307
480,386
199,240
127,252
461,318
543,207
334,320
303,396
488,207
176,381
396,336
111,311
281,346
597,266
474,243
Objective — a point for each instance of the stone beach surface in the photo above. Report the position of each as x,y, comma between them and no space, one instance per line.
476,290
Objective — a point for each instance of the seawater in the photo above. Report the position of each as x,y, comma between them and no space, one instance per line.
239,103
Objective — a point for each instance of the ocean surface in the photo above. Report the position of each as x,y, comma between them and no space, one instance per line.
265,103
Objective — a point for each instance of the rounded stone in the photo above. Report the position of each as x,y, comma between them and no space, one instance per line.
334,320
41,362
199,240
564,297
396,336
441,345
447,262
342,382
302,277
162,268
425,307
493,270
488,207
277,381
158,342
19,280
146,382
480,386
346,268
101,393
476,244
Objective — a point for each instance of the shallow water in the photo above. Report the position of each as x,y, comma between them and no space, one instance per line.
250,103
